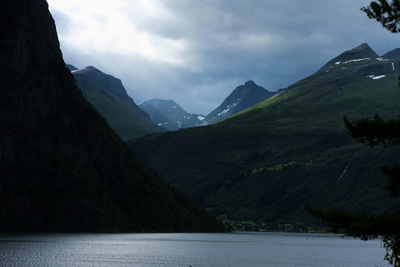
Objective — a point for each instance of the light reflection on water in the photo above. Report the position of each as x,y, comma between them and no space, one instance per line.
219,250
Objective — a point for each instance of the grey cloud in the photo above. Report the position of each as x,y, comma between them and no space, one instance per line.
274,43
100,19
63,21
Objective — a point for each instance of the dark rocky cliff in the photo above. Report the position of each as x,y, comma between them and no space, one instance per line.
62,168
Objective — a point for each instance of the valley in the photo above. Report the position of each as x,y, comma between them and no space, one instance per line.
259,156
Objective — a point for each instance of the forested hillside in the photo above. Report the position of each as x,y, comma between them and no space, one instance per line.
266,162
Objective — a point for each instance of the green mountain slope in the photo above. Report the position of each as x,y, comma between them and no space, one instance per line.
109,97
344,86
62,168
267,161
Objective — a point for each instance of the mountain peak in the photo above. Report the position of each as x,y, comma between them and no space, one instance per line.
250,83
243,97
361,47
359,53
84,70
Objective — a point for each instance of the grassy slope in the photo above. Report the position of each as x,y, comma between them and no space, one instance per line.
322,99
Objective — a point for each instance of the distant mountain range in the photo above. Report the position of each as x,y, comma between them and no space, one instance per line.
169,115
107,94
265,162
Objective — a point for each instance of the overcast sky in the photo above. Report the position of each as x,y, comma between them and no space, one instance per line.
196,52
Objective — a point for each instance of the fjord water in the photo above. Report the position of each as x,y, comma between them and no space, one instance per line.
148,250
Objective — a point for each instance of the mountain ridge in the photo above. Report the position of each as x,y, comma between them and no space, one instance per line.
108,95
359,53
265,162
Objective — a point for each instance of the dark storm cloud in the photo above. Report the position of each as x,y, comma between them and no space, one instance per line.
226,43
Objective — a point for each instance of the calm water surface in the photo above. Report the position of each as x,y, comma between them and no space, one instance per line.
148,250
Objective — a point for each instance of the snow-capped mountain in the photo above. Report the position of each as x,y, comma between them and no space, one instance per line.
169,115
243,97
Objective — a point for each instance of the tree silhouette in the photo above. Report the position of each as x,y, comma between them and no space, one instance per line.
386,13
374,132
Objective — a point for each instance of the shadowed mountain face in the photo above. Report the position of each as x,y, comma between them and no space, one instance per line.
62,168
392,54
169,115
109,97
241,98
292,148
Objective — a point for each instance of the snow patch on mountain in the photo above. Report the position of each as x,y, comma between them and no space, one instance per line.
376,77
356,60
229,107
353,60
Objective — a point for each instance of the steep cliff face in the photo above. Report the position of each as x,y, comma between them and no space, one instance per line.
61,166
